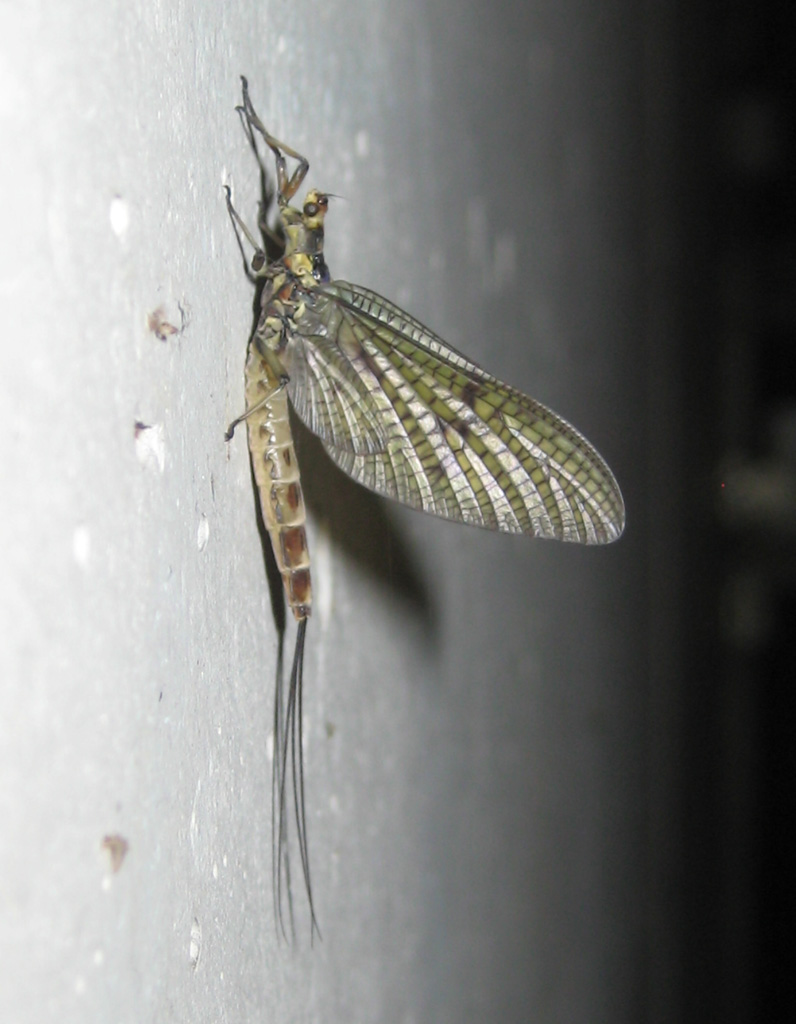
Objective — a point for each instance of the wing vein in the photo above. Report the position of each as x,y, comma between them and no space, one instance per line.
411,418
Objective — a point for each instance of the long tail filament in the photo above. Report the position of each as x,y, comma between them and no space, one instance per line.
288,734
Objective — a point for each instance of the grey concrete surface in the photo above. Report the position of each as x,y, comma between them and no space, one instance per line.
478,738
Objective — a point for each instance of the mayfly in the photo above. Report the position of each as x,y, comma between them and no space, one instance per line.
401,412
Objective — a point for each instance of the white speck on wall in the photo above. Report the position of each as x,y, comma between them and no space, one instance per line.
195,945
119,215
202,532
150,446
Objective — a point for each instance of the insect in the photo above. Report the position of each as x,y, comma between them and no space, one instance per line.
401,412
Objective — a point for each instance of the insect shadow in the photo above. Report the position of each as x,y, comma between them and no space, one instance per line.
358,520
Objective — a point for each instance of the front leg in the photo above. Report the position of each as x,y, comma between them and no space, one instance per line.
287,187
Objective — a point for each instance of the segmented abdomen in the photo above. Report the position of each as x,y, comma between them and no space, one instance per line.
276,471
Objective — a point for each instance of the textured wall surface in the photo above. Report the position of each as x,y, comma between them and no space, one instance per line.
476,716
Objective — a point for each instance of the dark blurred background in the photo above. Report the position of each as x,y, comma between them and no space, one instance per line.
739,193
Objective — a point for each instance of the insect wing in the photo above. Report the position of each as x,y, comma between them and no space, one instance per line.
331,394
409,417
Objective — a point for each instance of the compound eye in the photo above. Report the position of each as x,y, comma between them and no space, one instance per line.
310,209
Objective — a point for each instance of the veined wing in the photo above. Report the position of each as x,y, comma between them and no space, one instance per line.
409,417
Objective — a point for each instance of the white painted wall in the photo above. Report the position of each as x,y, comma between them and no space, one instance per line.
476,718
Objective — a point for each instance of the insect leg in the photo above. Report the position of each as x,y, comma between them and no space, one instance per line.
287,186
258,259
283,381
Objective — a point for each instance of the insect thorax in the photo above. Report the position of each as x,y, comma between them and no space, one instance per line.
303,255
300,269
